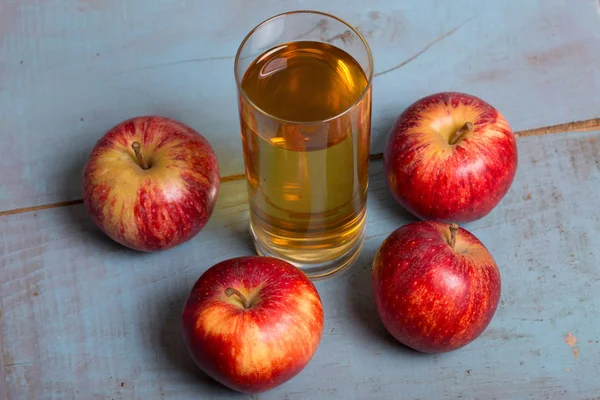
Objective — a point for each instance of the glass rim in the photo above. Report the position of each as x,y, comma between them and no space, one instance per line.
291,122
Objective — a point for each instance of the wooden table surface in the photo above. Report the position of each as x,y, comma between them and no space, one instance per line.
84,318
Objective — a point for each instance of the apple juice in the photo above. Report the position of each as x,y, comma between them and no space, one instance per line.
305,125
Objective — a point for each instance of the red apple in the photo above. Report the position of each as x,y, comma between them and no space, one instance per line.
252,323
436,287
151,183
450,157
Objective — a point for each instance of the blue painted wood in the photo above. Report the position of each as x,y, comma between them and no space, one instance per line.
71,69
84,318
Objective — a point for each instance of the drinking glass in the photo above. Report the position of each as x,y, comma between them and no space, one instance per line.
304,95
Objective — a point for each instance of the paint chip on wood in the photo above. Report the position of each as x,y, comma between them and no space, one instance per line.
375,15
570,339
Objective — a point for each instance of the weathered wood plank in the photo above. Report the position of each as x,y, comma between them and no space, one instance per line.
71,69
85,318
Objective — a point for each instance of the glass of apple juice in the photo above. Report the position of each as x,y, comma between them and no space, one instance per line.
304,89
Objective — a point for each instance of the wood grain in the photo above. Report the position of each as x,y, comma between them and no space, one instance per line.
576,126
85,318
65,78
41,207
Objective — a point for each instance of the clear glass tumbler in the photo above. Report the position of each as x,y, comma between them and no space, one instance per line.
304,85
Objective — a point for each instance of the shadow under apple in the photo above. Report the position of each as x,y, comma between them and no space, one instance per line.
76,212
380,198
364,311
172,352
91,234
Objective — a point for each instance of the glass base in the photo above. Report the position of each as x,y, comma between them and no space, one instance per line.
314,271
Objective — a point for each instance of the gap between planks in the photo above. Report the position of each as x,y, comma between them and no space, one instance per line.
576,126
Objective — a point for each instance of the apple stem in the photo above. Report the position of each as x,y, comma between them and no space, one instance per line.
231,291
466,128
453,230
137,148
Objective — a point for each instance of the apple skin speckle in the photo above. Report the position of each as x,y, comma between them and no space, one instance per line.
159,207
434,301
439,181
274,338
